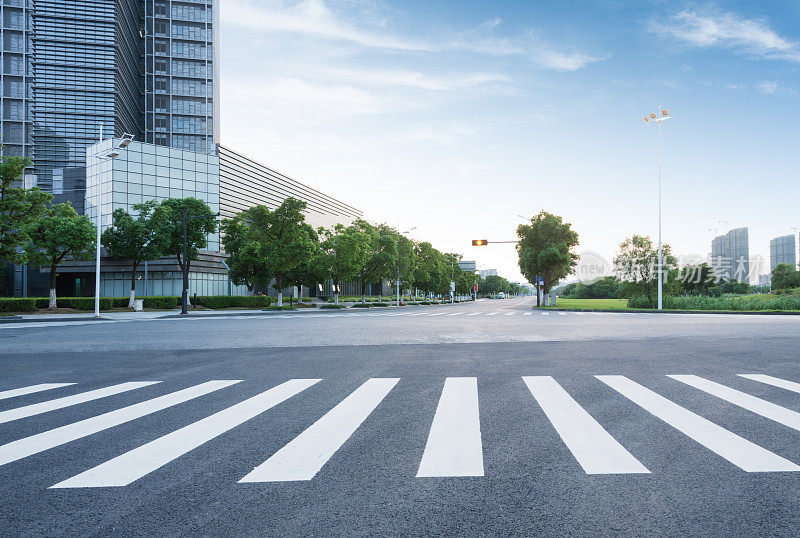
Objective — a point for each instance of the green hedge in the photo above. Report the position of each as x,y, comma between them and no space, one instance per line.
17,304
232,301
360,305
380,304
333,306
161,302
735,303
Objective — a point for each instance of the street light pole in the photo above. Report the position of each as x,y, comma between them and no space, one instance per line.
185,292
99,216
661,117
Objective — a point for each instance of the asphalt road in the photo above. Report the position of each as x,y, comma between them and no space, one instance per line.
485,418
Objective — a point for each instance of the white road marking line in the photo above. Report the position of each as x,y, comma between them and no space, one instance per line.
492,314
67,401
737,450
475,313
527,313
12,393
510,314
561,313
766,409
456,313
135,464
774,381
40,442
303,457
594,448
580,313
454,445
437,314
545,313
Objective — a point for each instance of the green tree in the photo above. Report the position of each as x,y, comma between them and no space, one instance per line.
342,254
637,267
427,272
247,268
546,249
304,274
59,233
785,276
137,239
406,262
381,259
698,279
19,208
199,224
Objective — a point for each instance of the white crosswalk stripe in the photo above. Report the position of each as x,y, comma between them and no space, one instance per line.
594,448
27,446
774,381
784,416
135,464
737,450
67,401
454,445
305,455
22,391
527,313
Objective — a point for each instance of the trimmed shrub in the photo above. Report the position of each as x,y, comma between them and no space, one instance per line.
162,302
17,304
284,307
425,302
729,302
380,304
360,305
306,299
232,301
333,306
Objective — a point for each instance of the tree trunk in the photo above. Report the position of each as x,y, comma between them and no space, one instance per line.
279,282
52,303
133,285
363,292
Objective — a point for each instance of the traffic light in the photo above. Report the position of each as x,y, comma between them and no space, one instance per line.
479,242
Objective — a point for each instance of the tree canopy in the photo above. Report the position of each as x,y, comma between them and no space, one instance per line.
636,265
546,249
19,208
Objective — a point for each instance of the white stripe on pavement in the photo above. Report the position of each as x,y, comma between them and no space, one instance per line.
456,313
31,389
766,409
594,448
737,450
133,465
510,313
40,442
66,401
527,313
303,457
475,314
774,381
454,445
492,314
545,313
561,313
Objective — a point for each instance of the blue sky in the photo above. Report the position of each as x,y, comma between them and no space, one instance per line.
456,117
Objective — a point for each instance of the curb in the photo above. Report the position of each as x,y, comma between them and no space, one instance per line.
20,319
720,312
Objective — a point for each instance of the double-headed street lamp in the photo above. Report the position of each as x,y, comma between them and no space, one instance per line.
398,266
658,119
109,154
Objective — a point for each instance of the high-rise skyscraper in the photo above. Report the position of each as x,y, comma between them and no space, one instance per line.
730,255
145,67
782,250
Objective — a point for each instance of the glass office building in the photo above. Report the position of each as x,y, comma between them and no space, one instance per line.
181,74
782,250
145,67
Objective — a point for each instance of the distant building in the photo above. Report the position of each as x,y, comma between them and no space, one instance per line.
468,266
765,280
730,255
782,250
487,272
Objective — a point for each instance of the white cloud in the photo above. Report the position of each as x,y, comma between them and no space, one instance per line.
310,17
314,18
771,87
413,79
728,30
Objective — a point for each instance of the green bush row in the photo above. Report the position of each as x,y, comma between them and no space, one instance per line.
333,306
735,303
17,304
232,301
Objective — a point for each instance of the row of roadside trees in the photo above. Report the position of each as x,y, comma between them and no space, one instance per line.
278,245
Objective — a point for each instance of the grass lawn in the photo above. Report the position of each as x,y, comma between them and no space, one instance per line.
592,303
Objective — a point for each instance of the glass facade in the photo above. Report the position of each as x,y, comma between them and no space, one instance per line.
148,172
730,255
181,67
70,65
782,250
167,283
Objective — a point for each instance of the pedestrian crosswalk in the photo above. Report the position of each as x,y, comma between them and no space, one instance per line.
454,445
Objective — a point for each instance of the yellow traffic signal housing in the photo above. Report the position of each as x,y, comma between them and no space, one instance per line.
479,242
